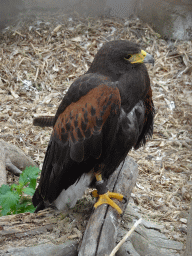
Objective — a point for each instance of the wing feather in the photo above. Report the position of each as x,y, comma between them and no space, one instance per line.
85,119
78,139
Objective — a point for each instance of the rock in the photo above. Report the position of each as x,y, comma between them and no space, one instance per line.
170,18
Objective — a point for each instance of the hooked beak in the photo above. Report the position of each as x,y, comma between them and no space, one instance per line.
142,57
149,59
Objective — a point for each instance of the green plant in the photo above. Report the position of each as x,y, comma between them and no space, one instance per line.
17,198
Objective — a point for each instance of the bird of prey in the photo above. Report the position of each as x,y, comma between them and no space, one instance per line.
105,113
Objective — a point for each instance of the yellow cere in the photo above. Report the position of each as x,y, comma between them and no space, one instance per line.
138,57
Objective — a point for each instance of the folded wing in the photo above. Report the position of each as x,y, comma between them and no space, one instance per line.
80,138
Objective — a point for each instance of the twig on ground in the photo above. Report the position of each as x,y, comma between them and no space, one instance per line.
125,237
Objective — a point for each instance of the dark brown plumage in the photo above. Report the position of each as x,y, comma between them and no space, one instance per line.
43,121
104,114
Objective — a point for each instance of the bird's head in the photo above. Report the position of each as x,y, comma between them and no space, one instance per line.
117,57
141,57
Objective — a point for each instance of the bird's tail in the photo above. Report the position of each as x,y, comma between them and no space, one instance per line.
43,121
37,200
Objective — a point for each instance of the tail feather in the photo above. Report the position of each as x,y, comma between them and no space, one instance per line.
43,121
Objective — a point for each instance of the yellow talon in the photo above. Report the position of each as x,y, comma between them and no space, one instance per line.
116,196
104,195
105,199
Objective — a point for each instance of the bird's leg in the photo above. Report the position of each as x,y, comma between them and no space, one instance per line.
105,195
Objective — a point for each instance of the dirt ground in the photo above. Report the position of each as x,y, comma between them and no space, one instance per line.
40,56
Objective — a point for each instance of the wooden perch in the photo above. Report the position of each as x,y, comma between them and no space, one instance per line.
101,231
3,178
118,246
188,251
12,159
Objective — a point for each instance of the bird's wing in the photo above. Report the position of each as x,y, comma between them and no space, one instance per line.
85,118
79,137
147,130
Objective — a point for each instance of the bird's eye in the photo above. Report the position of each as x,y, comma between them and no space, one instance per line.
128,56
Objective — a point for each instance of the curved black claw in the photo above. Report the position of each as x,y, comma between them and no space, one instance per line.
40,206
124,201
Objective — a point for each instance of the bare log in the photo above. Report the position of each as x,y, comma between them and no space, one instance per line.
12,159
3,178
188,251
101,231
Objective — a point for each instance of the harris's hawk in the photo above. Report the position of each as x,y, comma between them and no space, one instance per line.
105,113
